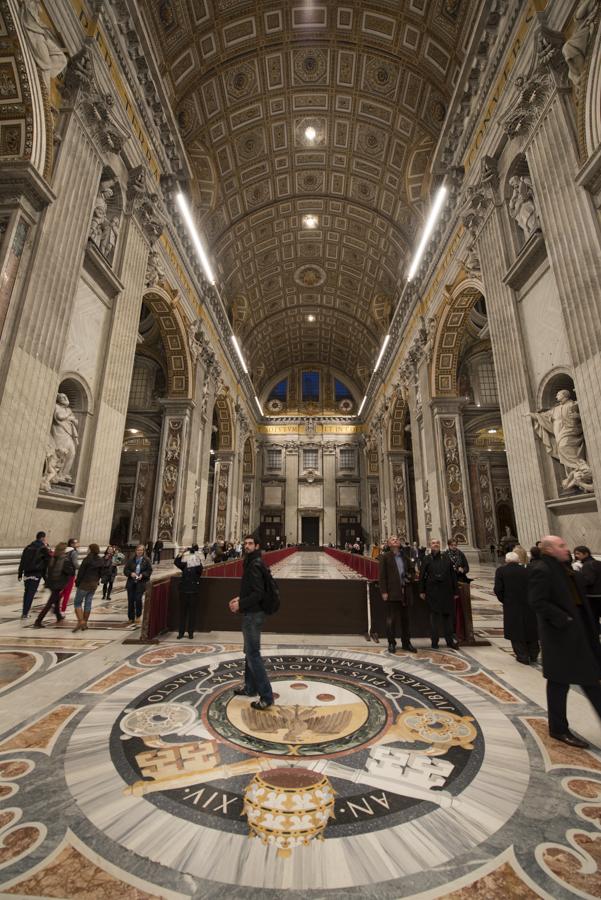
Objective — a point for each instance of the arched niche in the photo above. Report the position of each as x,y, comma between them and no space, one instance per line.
248,458
80,402
396,427
173,334
557,380
225,423
449,336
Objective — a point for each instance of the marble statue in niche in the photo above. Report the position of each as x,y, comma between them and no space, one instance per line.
522,206
104,230
49,56
575,48
62,445
560,430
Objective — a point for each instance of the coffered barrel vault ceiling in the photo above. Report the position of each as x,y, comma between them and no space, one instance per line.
246,81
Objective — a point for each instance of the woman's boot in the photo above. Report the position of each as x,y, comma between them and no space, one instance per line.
79,614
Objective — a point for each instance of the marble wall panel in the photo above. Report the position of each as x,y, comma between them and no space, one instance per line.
87,332
543,328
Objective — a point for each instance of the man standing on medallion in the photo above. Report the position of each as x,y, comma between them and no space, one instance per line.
250,604
396,573
439,586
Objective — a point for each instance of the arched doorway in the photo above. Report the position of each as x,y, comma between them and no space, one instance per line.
154,439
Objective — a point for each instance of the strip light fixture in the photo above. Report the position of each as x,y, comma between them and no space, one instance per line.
362,405
239,352
432,218
382,351
185,211
258,404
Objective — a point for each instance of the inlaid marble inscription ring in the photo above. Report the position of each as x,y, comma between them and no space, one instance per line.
422,771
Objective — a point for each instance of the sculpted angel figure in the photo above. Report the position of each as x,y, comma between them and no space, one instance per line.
521,205
560,430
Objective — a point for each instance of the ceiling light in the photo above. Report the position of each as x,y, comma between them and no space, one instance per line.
310,318
310,133
258,404
212,452
362,405
384,345
492,430
133,430
239,352
185,211
310,221
434,213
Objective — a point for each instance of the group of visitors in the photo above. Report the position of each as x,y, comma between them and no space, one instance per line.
438,575
61,569
553,600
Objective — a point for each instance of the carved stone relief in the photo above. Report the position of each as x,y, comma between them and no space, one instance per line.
399,499
170,478
222,492
246,506
374,506
454,480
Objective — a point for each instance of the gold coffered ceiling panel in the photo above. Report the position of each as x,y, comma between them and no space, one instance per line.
373,80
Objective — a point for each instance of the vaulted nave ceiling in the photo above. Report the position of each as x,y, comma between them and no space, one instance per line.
373,81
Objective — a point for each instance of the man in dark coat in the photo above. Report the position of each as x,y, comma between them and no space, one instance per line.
32,568
189,588
396,573
519,619
250,604
438,586
137,570
591,578
459,560
571,652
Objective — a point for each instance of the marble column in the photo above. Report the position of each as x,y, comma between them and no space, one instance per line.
291,493
32,369
454,472
420,529
167,524
570,225
113,395
515,394
222,495
399,513
434,490
329,493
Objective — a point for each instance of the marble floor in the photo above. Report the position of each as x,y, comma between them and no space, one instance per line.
135,772
312,565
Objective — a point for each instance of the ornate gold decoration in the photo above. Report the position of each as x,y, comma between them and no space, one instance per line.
438,728
288,807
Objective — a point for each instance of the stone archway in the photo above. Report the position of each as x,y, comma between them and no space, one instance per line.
449,335
173,333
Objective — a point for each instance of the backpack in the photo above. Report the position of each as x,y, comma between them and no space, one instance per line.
31,560
271,598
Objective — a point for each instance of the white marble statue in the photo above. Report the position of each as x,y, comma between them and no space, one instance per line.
575,48
109,235
100,219
62,444
522,207
49,56
560,430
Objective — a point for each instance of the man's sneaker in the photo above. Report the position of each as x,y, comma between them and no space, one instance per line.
261,704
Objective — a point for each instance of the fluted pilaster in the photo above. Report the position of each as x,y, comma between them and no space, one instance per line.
515,400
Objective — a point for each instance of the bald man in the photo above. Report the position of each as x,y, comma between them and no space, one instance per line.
571,650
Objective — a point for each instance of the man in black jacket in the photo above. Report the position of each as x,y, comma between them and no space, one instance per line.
32,568
571,652
438,586
250,604
189,588
396,574
459,560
